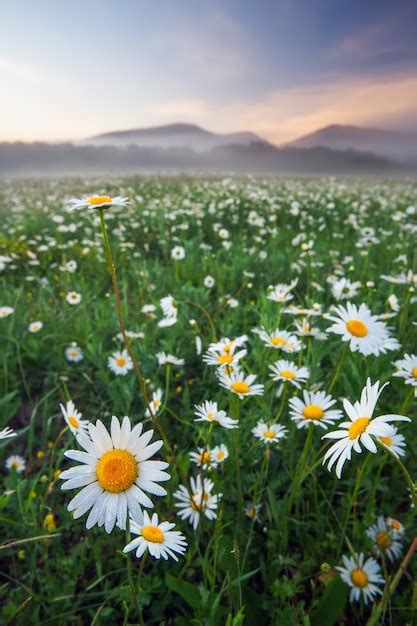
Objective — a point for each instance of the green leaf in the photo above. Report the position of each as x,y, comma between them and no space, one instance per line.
187,591
331,604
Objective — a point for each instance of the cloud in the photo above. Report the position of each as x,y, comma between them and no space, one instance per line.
14,69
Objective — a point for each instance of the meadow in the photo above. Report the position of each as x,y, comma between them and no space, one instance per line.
247,325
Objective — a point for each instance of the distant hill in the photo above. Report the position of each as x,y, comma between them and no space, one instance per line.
178,135
392,144
20,159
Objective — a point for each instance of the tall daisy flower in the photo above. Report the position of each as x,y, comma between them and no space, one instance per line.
241,385
363,577
223,359
120,363
407,369
155,403
209,412
115,472
158,538
315,408
279,339
96,202
73,353
385,542
360,429
395,443
364,331
17,462
227,345
269,433
73,418
197,501
287,372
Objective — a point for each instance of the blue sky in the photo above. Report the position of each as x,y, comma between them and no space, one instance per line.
70,69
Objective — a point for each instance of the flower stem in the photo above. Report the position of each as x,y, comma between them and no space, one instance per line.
405,473
339,367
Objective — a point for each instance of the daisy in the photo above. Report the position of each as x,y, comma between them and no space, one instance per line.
287,372
362,576
407,369
395,526
344,289
209,412
271,433
168,359
155,403
73,418
198,501
228,345
238,383
219,454
360,429
35,327
279,339
73,353
251,510
384,540
282,293
115,473
178,253
209,282
223,359
365,332
313,409
73,297
158,538
169,310
6,433
5,311
120,363
96,202
395,443
202,458
17,462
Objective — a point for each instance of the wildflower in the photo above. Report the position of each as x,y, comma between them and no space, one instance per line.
364,331
362,576
178,253
305,329
223,359
360,429
202,458
169,310
219,454
407,369
396,526
395,443
198,501
73,353
271,433
313,409
209,282
282,293
287,372
251,510
73,418
238,383
154,404
49,522
209,412
73,297
35,327
17,462
279,339
115,473
168,359
120,363
158,538
228,345
344,289
385,542
5,311
97,202
6,433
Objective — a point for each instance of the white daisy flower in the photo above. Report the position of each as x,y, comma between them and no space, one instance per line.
238,383
209,281
364,331
362,576
224,359
219,454
198,501
209,412
155,403
115,472
169,310
73,353
168,359
287,372
269,433
7,432
360,429
5,311
228,345
158,538
73,297
282,293
314,409
178,253
35,327
97,202
279,339
73,418
386,542
202,458
344,289
120,363
395,443
407,369
395,526
17,462
251,510
305,329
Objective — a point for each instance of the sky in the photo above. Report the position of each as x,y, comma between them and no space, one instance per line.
71,69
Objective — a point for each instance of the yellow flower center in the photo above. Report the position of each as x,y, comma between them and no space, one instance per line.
359,578
269,434
210,416
220,455
287,374
278,341
73,353
99,200
313,412
414,372
117,470
358,427
225,359
156,403
306,328
121,362
228,347
73,421
396,524
198,500
387,441
153,534
15,464
357,328
383,540
205,457
240,387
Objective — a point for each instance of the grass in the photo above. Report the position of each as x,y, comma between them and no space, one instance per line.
278,567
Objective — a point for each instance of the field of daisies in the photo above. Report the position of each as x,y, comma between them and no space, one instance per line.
208,402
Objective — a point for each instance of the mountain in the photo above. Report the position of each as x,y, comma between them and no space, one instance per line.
172,136
392,144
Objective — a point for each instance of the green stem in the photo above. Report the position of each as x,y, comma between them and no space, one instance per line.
405,473
339,367
130,577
